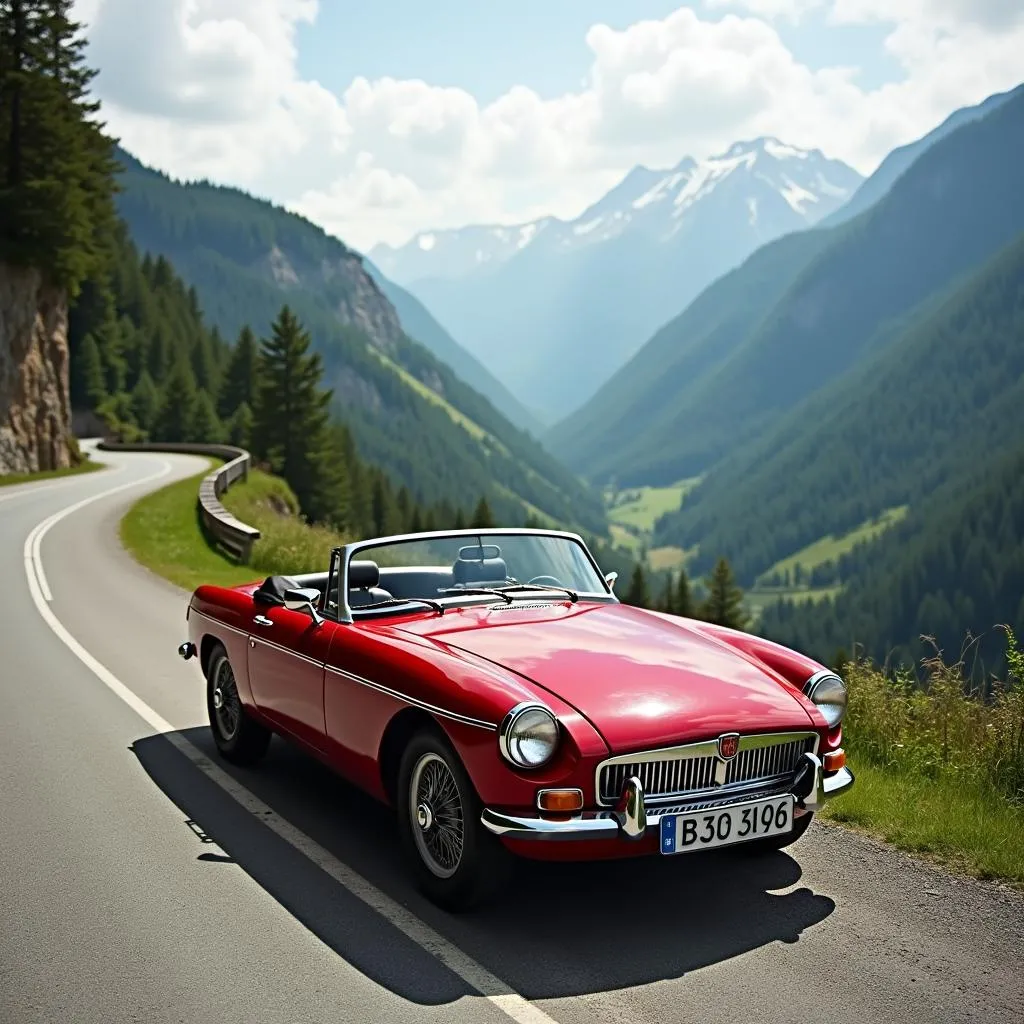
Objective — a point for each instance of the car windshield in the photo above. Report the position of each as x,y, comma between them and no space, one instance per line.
441,568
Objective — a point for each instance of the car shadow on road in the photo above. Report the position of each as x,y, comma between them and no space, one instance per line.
561,930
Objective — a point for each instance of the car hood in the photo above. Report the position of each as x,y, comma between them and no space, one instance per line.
641,680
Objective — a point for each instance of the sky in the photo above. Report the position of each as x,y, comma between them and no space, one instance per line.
379,120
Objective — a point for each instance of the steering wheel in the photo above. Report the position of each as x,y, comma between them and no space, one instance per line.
537,580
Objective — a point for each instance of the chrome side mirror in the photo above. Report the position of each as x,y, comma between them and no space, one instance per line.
610,578
303,599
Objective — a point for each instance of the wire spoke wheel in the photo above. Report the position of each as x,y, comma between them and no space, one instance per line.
227,706
436,812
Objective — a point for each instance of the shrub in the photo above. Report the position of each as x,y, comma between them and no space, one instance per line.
942,727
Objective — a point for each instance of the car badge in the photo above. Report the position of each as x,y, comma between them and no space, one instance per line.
728,745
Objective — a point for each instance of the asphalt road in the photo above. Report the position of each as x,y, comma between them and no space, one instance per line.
141,880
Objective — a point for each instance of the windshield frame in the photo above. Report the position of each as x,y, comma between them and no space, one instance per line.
342,556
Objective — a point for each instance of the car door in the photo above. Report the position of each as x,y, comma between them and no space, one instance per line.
287,652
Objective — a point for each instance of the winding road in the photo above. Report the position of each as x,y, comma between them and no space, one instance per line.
142,879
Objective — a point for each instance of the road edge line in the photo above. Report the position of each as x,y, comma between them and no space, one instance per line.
497,992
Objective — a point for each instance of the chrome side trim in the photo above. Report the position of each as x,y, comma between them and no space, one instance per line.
702,748
217,622
412,701
264,642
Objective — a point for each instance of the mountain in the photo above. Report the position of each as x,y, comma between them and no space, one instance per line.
954,566
457,252
407,411
801,312
873,188
419,324
553,295
945,393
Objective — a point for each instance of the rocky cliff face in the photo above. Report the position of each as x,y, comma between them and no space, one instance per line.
35,405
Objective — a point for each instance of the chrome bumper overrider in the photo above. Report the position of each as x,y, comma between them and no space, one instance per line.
632,820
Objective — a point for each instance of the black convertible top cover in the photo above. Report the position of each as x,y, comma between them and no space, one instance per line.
273,588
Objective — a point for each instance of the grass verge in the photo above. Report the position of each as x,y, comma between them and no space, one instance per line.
162,532
961,825
87,466
939,765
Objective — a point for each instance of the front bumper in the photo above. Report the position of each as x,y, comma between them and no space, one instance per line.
632,820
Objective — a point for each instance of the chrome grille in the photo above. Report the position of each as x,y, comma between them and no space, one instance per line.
696,767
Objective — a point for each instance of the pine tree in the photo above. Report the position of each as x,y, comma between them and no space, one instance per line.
177,406
239,427
88,386
290,420
666,603
239,384
724,602
682,603
57,180
482,517
638,593
205,427
145,402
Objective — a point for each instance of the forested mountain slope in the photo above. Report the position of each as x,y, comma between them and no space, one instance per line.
611,433
143,359
418,323
954,565
408,412
887,172
944,393
952,209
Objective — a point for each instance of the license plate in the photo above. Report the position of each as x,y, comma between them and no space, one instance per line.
704,830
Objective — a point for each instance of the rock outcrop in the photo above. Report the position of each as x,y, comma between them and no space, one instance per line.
35,404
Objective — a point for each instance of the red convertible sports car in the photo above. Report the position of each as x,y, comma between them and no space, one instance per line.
491,688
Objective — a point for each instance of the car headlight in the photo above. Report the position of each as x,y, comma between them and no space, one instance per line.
828,691
528,735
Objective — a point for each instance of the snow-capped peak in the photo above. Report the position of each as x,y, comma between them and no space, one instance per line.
764,184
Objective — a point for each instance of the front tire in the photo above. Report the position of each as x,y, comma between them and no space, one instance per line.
456,862
239,738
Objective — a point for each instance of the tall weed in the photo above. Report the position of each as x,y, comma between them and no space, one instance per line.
941,727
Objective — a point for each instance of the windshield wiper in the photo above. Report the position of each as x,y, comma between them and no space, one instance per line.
477,590
572,595
436,605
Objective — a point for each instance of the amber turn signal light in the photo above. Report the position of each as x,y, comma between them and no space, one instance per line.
560,801
834,760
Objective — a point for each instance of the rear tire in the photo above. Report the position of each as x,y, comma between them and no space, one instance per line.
455,861
239,738
772,843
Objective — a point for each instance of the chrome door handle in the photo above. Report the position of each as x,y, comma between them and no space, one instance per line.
262,620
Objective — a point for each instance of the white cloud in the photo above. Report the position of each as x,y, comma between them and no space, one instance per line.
209,88
792,10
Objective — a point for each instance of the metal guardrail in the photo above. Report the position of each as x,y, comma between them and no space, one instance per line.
224,528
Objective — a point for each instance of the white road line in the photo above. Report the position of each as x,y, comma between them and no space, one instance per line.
491,987
33,562
38,488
